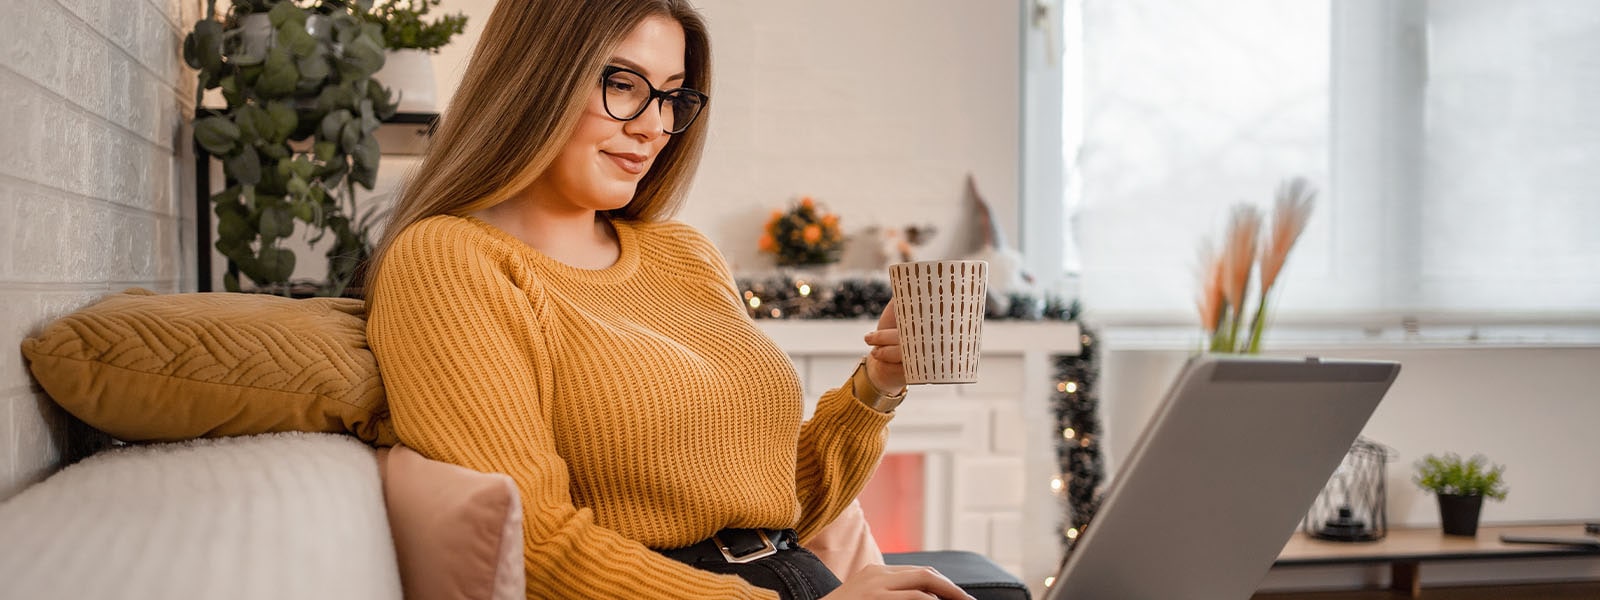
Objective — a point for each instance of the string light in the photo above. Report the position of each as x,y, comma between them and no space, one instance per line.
1068,433
1071,387
1049,581
776,313
1056,484
804,288
1084,443
755,302
1072,533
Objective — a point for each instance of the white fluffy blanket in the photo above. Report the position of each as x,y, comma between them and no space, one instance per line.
287,515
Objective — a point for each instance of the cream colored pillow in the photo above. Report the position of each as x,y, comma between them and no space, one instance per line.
147,367
457,532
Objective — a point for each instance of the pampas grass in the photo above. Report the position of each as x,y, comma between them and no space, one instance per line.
1225,276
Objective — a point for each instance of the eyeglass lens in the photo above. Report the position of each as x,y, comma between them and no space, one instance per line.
628,95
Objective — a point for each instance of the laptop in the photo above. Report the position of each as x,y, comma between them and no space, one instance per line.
1223,473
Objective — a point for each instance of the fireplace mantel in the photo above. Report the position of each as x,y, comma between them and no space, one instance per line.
988,446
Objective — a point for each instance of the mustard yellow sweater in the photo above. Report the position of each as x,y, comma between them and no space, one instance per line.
636,406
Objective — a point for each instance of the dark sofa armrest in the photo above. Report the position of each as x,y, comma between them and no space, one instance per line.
975,573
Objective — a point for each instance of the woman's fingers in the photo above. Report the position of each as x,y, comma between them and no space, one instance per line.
898,581
888,354
884,337
925,579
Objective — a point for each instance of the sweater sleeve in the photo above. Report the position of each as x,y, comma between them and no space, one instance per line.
839,450
462,355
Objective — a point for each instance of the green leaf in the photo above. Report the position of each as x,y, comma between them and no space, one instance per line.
226,200
245,167
297,40
302,210
350,136
314,67
298,187
233,227
346,30
333,124
283,12
364,176
325,150
365,55
303,168
366,153
242,59
254,123
331,98
275,151
383,101
276,222
230,281
284,119
230,90
216,134
206,43
369,119
278,75
277,264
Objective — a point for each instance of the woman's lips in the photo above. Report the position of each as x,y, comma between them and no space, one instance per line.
633,164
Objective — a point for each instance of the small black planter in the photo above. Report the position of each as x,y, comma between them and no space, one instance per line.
1458,515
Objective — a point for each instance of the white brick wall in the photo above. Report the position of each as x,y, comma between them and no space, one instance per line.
93,98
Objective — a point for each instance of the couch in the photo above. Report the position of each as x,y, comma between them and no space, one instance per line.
252,470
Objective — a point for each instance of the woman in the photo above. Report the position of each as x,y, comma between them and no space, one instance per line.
534,314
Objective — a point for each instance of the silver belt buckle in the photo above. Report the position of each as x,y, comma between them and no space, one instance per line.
767,549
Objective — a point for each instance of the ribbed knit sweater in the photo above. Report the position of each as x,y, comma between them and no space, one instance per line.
637,407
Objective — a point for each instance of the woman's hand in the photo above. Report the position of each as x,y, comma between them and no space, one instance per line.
883,362
883,581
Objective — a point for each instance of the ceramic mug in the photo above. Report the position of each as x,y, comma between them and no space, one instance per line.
939,306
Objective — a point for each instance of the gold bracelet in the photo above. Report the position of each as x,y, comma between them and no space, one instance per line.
868,393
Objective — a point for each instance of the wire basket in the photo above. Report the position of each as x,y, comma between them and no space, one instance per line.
1353,506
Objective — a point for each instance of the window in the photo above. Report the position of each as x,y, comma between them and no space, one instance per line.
1456,146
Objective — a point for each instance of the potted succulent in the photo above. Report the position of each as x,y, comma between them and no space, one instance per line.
296,135
412,41
1461,486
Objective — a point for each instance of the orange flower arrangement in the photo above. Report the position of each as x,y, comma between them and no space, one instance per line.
1225,277
803,235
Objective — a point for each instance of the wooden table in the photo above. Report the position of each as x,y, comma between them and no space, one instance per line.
1404,550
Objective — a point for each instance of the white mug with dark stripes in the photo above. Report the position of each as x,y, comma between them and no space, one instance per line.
939,306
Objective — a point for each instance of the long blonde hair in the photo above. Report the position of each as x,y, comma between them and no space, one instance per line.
524,90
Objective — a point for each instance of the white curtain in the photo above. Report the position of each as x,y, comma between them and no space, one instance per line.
1456,144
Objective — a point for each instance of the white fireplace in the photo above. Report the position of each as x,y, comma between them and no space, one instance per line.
987,448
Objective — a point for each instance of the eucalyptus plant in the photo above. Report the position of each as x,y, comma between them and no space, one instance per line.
297,134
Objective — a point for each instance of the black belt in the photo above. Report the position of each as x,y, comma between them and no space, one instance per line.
737,546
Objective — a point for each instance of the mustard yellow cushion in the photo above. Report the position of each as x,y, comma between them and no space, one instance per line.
147,367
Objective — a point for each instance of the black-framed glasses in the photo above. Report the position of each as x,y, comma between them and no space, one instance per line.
628,94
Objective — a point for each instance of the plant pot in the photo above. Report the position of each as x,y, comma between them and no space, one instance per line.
256,34
1458,515
409,74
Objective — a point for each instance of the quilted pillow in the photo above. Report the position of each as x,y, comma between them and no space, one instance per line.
264,517
457,532
148,367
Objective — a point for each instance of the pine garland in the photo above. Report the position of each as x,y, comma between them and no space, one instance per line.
787,296
1081,468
